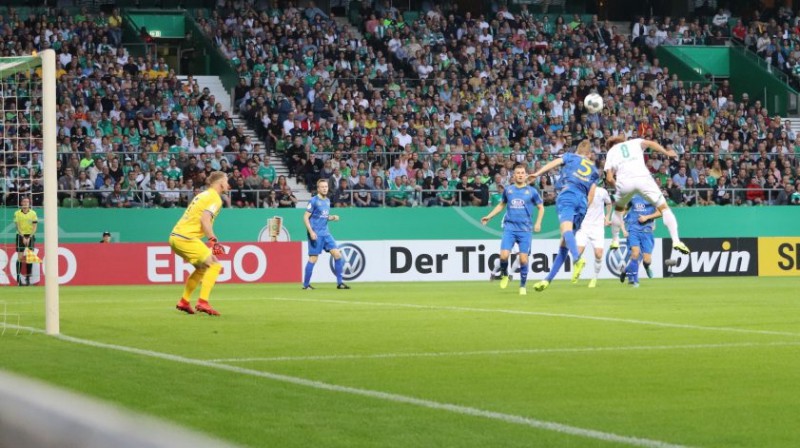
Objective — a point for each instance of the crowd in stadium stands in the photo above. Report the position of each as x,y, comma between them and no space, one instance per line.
435,110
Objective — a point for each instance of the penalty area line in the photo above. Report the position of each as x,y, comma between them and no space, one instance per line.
537,313
531,351
384,396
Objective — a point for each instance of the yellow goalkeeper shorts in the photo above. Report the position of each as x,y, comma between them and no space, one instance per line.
192,250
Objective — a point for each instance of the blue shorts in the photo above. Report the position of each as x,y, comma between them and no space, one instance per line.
326,243
644,240
522,238
570,208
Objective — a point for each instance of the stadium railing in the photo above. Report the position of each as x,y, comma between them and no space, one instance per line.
415,197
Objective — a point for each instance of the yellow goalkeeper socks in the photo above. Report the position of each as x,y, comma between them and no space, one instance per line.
209,279
191,284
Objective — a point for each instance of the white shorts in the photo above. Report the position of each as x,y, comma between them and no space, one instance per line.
644,186
595,236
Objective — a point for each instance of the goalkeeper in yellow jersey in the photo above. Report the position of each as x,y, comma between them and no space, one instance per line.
186,241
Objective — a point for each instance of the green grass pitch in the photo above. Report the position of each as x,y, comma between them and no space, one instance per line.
691,362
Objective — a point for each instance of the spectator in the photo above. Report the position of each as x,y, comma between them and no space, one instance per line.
117,199
362,196
445,195
722,195
704,191
755,193
480,195
343,196
241,195
286,198
378,192
785,196
397,197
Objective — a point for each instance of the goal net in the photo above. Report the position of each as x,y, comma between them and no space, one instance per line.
28,176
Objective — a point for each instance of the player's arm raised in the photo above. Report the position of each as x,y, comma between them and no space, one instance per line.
655,146
549,166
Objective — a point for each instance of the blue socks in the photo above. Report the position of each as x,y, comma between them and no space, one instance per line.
504,267
523,274
633,270
307,276
559,261
338,266
572,245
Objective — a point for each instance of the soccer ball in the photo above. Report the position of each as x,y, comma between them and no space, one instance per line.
593,103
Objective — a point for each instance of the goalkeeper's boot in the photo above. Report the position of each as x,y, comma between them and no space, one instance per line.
593,283
205,307
185,306
27,280
682,248
504,282
541,286
523,291
342,286
614,245
576,274
649,272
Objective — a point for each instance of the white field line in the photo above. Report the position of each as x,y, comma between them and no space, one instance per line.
385,396
531,351
477,310
538,313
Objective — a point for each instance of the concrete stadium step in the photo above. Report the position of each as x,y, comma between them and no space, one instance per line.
223,97
794,123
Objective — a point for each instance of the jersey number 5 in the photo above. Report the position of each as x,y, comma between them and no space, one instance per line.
586,166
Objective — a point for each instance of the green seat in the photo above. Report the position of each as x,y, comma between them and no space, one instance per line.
70,203
410,16
90,202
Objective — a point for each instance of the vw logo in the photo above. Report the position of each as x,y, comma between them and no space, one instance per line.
354,261
617,259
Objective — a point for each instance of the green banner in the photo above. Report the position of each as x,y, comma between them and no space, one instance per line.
242,225
162,25
704,60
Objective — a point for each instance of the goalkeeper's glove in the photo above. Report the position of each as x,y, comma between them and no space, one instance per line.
216,248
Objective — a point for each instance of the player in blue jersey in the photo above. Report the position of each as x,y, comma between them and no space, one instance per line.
578,178
640,223
519,200
316,219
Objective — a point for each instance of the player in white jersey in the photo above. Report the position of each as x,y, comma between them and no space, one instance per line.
592,231
626,171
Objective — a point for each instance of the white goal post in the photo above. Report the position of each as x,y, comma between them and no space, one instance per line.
21,69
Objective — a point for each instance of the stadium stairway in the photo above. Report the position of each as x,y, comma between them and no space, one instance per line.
344,24
794,123
223,97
